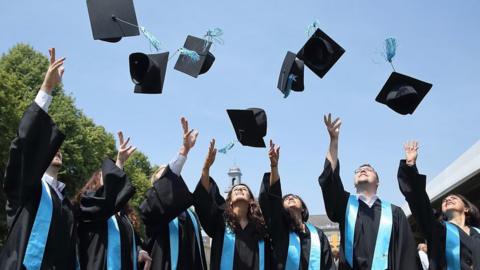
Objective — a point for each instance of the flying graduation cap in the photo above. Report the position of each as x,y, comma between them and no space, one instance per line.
250,126
148,72
320,52
195,56
401,93
112,19
291,75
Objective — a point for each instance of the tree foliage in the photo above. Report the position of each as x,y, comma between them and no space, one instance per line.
21,74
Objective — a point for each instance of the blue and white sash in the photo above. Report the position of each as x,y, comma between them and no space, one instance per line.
39,233
452,246
114,248
382,244
174,239
228,251
294,250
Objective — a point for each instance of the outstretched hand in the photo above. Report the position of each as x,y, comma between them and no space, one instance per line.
210,159
144,257
189,137
54,73
274,154
411,152
125,150
332,127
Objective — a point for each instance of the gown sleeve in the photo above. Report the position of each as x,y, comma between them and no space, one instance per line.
412,185
209,206
31,151
334,195
271,203
166,199
108,199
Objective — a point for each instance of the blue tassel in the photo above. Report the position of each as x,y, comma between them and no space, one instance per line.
213,35
291,78
311,28
192,55
390,49
226,148
151,38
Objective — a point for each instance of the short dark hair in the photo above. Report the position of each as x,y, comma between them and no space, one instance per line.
368,165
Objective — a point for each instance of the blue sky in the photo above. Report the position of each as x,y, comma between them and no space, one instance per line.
438,43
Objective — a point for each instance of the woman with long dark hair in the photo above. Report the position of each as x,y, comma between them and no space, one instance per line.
297,244
107,225
453,240
173,233
235,224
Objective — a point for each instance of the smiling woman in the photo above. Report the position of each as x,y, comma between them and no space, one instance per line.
453,241
235,224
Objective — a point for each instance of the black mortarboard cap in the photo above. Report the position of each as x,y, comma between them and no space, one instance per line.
194,68
108,17
403,93
250,126
320,53
291,66
148,72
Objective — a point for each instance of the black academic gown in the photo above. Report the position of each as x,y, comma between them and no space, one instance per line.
37,141
412,184
271,202
402,250
210,209
93,212
167,199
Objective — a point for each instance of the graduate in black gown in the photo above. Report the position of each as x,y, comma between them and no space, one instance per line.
165,213
364,232
286,218
41,225
459,215
235,224
106,223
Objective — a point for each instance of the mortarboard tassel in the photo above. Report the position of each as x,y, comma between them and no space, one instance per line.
311,28
151,38
213,36
192,55
390,50
226,148
291,78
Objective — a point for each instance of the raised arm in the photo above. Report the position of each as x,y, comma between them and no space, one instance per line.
274,155
205,178
115,191
334,195
412,185
209,204
37,141
270,197
334,131
169,195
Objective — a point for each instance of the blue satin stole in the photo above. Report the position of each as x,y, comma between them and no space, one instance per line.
452,246
294,250
382,243
174,239
228,251
114,248
39,233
